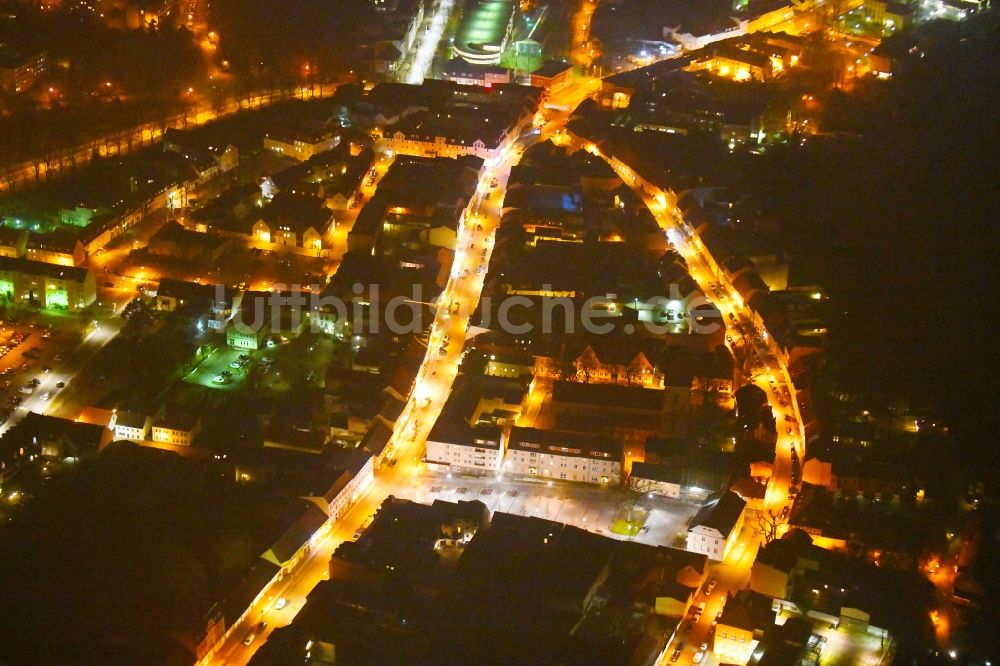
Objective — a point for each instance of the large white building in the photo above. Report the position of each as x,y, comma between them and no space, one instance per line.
130,426
716,526
457,446
564,456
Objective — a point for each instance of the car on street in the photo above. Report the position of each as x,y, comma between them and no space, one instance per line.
710,586
46,395
698,657
677,653
281,603
249,639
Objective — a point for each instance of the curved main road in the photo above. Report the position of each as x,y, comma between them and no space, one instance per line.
774,379
444,353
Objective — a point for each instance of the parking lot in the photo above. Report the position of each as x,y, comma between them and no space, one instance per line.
588,507
217,371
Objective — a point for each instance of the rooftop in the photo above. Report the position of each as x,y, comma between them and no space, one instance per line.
556,442
720,514
608,396
43,269
552,68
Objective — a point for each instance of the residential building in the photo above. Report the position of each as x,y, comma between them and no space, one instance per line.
717,525
18,73
356,477
445,119
665,580
498,403
552,76
37,434
438,134
132,426
46,285
892,16
629,414
13,242
302,143
744,619
659,479
618,364
566,456
173,240
738,64
509,364
209,158
467,74
172,294
251,323
396,33
178,429
752,493
458,446
700,35
292,220
58,247
295,542
773,570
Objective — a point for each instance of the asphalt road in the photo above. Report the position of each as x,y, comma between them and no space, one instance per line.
446,342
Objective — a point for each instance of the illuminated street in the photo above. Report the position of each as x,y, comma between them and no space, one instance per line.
498,332
434,381
427,42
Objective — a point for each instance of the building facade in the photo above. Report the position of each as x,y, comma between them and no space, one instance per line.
716,526
458,446
176,429
301,145
46,285
563,456
130,426
19,73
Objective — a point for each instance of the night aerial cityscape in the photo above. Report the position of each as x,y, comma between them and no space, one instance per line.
515,332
